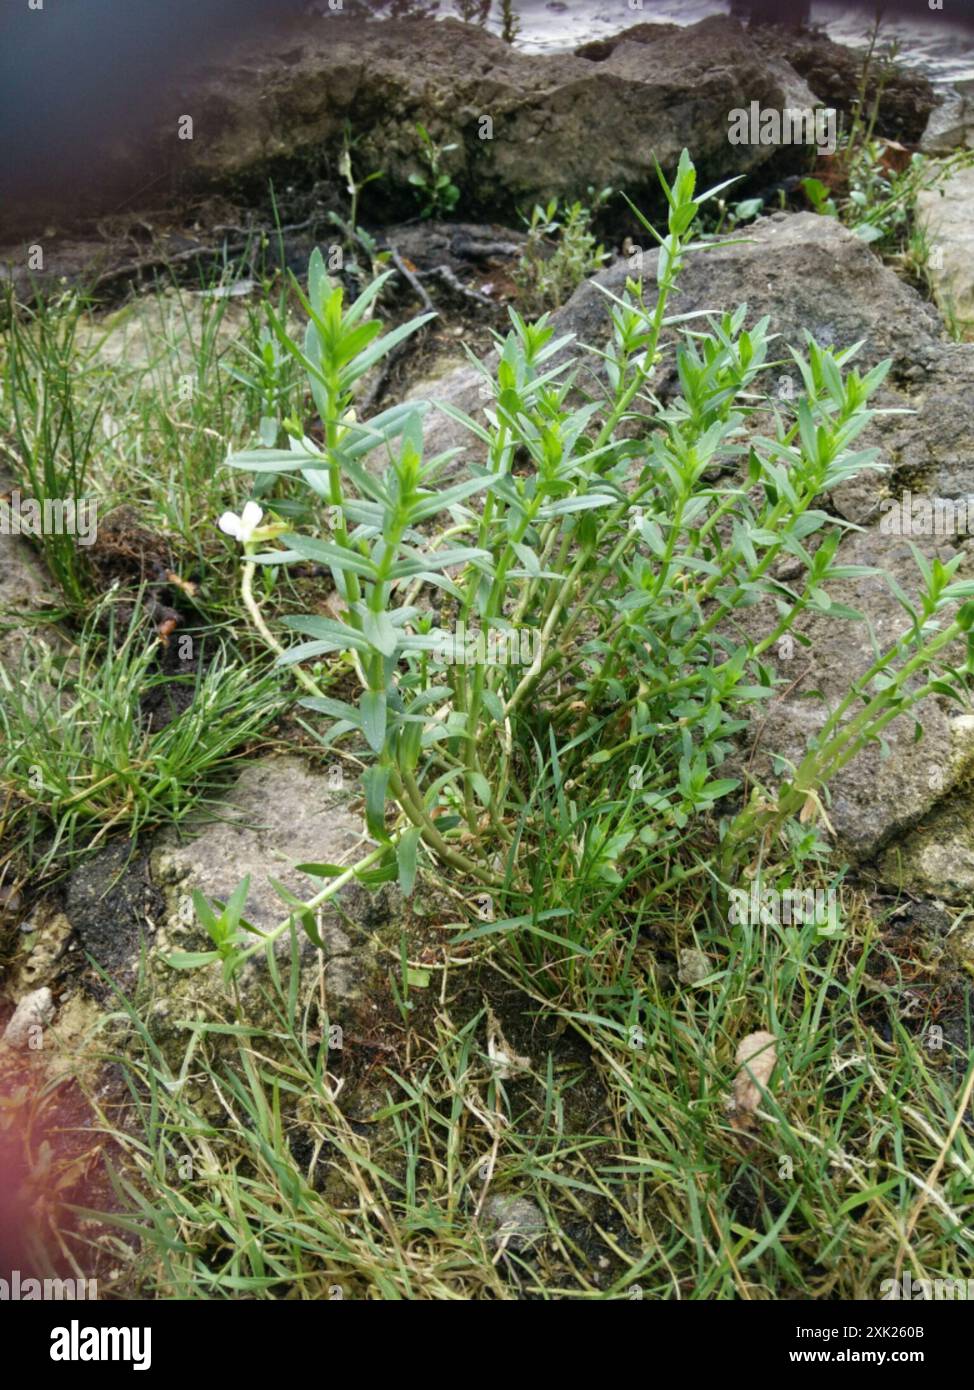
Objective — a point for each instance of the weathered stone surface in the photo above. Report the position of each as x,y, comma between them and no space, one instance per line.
128,914
560,122
32,1013
832,71
927,450
279,814
166,330
946,215
951,124
514,1223
875,796
808,273
25,586
938,856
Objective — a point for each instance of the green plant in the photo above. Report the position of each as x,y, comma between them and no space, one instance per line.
82,754
860,133
612,564
270,377
356,239
818,195
53,398
510,21
560,252
881,204
434,188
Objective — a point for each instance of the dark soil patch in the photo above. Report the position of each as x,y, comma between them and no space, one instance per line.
113,906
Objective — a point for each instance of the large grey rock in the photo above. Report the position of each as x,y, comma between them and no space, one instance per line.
129,914
951,124
279,813
946,216
805,271
832,71
883,791
927,449
937,857
559,122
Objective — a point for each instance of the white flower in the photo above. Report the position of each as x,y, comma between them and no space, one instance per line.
242,527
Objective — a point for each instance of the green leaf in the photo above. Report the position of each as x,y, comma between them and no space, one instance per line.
375,780
336,709
494,705
327,630
567,505
380,349
379,631
191,960
335,556
406,850
275,460
238,901
372,707
437,560
305,651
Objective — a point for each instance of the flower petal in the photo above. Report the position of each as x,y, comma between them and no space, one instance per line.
251,517
229,523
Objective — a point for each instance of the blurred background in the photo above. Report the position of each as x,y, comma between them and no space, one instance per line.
82,80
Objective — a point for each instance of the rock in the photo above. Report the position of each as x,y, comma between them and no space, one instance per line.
163,330
514,1223
963,951
11,901
33,1012
48,934
951,124
927,450
755,1058
804,271
25,587
278,814
874,797
938,856
560,122
694,966
129,914
832,71
945,215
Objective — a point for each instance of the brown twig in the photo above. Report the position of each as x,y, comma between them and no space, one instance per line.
410,277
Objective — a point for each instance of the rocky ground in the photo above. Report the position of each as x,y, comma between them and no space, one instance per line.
903,820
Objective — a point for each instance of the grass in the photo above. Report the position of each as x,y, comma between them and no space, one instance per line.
256,1163
262,1187
135,411
82,754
